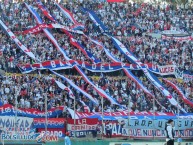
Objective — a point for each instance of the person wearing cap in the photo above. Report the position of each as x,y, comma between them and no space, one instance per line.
170,132
67,140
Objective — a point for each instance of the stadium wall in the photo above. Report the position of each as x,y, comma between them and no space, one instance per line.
99,142
118,142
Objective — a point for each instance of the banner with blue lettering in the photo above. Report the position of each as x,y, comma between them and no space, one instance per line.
8,123
9,110
52,123
180,124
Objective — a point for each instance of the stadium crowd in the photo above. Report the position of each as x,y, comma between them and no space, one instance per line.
129,22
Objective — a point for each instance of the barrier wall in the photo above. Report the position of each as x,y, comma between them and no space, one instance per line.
99,142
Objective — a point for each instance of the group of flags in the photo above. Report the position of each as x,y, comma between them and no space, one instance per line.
77,27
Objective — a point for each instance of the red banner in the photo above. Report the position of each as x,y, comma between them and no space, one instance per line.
123,113
82,126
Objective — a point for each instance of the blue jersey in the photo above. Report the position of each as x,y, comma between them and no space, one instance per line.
67,141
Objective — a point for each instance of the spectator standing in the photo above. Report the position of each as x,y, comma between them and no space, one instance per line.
170,132
108,129
67,140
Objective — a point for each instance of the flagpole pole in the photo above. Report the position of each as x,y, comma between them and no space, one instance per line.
102,116
16,113
74,117
46,114
154,117
178,117
129,118
16,107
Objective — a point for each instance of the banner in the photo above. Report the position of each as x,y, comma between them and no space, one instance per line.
44,10
9,123
63,87
47,33
58,132
89,55
118,130
139,83
125,51
18,137
129,55
179,124
187,76
96,20
99,67
100,91
53,65
40,27
176,35
148,133
17,42
82,127
9,110
167,69
179,91
69,15
163,90
132,115
149,75
101,46
125,114
77,88
51,123
186,38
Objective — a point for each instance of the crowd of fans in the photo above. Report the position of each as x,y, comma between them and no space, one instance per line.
129,22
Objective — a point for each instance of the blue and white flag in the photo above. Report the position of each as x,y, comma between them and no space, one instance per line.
76,87
96,20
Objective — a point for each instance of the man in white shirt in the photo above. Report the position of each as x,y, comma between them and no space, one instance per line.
170,132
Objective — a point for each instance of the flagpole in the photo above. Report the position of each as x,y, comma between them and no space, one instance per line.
16,113
46,114
74,116
102,116
16,107
154,117
178,117
129,118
